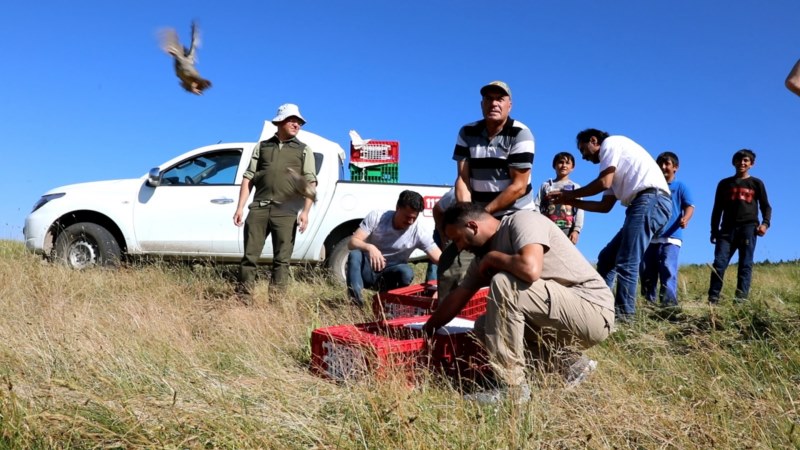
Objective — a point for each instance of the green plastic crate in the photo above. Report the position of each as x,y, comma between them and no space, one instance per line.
380,173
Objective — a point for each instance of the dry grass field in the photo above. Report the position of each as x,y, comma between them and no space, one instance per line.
163,356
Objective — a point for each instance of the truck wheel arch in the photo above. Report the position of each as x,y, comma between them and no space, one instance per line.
336,250
83,216
85,244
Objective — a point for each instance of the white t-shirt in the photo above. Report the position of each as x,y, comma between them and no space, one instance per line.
635,171
396,245
448,199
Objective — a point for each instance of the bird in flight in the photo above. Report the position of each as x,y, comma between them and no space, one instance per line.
185,59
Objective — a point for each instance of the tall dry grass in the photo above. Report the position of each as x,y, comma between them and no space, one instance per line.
163,356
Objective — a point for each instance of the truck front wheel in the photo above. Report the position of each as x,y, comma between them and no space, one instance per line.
86,244
337,261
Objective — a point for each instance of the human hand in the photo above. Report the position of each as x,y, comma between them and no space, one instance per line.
486,267
683,222
573,236
713,238
376,259
302,221
237,217
555,196
761,230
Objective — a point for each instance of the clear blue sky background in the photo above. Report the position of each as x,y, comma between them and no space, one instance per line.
86,94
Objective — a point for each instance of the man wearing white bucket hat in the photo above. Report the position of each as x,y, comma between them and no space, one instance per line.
273,171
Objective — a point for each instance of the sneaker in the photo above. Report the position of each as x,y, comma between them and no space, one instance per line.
518,395
579,371
623,318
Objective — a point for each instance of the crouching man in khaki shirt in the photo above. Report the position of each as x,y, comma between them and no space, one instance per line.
545,297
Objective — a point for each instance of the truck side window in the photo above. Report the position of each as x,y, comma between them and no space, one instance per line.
317,162
214,168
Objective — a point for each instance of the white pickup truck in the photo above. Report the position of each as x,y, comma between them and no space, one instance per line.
183,209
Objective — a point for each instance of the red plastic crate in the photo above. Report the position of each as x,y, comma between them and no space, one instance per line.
376,152
352,352
419,299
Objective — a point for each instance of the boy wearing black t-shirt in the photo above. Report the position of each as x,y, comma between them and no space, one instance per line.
736,204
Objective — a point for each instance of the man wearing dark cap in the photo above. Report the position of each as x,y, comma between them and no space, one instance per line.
276,202
494,157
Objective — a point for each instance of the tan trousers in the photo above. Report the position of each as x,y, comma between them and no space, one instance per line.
543,315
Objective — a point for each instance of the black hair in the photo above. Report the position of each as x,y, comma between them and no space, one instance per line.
561,155
668,156
463,212
742,153
410,199
585,135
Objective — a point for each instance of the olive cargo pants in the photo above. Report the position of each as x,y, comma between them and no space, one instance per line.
518,314
262,221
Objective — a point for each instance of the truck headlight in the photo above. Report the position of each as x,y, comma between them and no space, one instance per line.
46,198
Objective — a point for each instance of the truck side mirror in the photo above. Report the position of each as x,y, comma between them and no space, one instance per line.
154,177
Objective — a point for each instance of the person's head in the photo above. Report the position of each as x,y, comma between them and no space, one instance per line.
408,207
668,162
496,102
288,120
564,164
589,141
743,160
469,226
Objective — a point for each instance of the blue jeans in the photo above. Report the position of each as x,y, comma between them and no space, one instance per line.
660,261
619,260
741,239
361,275
430,273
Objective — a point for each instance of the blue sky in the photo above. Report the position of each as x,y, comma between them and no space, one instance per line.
86,93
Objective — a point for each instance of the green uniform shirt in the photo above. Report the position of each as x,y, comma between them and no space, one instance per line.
268,170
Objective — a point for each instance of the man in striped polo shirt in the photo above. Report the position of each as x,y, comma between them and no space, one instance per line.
494,157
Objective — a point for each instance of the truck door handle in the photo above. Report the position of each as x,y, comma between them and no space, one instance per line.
222,201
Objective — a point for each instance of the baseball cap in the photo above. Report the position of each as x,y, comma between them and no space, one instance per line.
288,110
498,85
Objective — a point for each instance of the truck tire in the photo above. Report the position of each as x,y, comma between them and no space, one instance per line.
337,261
85,245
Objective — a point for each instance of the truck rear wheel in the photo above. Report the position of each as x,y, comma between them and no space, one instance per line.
85,245
337,261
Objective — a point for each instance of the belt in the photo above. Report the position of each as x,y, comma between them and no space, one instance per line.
264,203
652,190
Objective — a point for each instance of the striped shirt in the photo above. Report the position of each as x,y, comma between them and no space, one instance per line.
490,160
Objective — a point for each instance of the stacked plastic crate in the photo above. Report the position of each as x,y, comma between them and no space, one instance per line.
395,342
374,161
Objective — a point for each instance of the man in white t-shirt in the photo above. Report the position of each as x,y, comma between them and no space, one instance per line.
382,244
628,174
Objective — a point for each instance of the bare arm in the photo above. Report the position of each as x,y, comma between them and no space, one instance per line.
463,193
603,206
793,79
302,219
688,212
602,183
515,190
434,254
448,308
244,193
359,242
525,265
